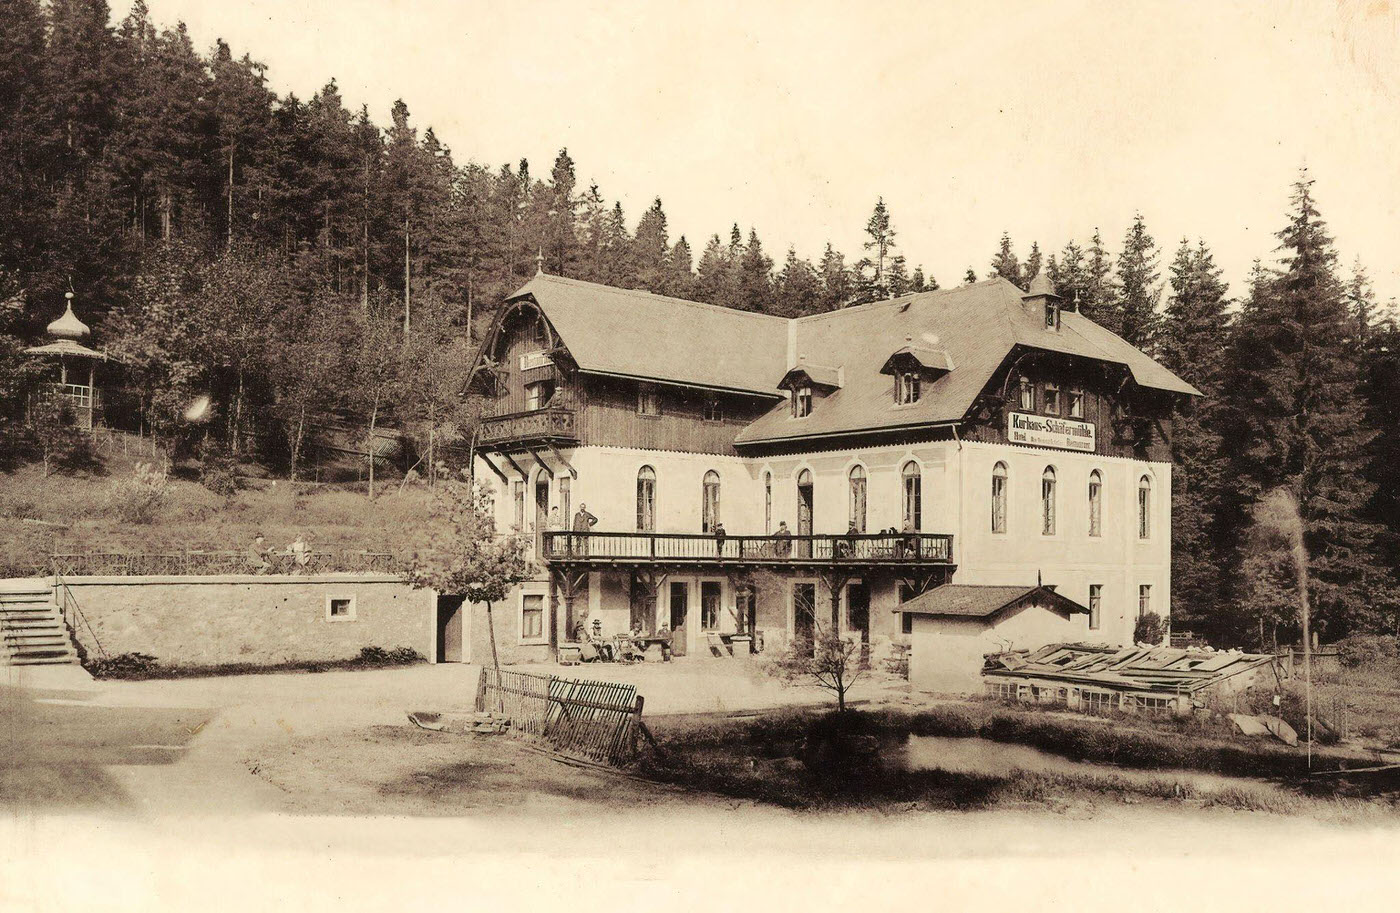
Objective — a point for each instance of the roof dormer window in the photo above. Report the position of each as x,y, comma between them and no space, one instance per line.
1052,314
801,402
906,388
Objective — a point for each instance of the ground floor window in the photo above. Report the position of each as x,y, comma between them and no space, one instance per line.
1005,691
1095,605
1101,702
804,611
531,618
1144,599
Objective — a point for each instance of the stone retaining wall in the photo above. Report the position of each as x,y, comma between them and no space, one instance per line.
209,620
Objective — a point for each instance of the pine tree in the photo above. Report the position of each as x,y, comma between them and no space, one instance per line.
835,278
1295,420
562,252
680,270
798,290
1005,264
881,239
23,194
1362,301
714,277
897,279
1033,264
755,286
1135,317
651,250
1099,297
1194,334
970,277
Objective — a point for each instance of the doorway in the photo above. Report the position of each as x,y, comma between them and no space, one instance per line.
804,612
804,514
680,604
449,629
858,617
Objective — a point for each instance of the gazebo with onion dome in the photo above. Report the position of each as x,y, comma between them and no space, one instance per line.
73,356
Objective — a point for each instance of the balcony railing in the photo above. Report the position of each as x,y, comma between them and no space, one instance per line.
691,548
539,426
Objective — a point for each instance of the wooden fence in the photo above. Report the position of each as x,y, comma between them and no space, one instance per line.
595,721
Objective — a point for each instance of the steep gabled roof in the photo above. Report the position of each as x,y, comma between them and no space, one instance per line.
637,334
978,324
972,601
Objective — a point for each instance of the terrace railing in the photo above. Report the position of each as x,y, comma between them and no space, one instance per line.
206,563
540,425
876,548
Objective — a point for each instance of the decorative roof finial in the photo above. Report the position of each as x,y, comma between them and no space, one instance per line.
539,263
68,326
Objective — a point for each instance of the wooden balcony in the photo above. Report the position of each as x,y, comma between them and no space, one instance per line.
523,429
595,549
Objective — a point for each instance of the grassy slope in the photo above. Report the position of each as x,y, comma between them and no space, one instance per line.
77,514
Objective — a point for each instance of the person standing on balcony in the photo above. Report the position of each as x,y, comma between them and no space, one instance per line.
583,522
784,536
720,536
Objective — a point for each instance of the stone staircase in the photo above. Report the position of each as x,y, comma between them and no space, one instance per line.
32,629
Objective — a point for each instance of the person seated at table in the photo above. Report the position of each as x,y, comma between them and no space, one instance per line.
663,634
257,555
300,553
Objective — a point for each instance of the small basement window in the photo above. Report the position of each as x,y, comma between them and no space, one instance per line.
340,608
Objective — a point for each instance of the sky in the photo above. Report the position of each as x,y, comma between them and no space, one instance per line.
1044,120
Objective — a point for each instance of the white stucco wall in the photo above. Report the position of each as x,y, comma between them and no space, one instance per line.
946,653
956,495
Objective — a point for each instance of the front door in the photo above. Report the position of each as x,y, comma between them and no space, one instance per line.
541,511
449,629
680,604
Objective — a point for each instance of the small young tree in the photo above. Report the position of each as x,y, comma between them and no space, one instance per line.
828,661
1149,629
465,556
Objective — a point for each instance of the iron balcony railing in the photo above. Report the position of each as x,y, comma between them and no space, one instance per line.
540,425
876,548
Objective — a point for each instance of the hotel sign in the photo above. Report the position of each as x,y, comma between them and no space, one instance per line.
1044,431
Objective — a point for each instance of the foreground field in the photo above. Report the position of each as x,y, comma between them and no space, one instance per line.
338,743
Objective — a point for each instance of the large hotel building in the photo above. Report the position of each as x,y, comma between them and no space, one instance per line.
956,471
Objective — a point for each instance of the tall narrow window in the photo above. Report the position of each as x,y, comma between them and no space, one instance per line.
913,496
564,484
538,394
1047,501
709,511
1144,598
1027,394
1076,403
1144,508
646,500
767,503
906,388
801,402
539,335
1095,605
1095,503
518,493
1052,399
648,400
999,498
858,498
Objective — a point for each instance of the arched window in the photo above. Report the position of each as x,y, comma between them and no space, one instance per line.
858,498
767,503
913,506
999,498
1144,508
806,501
1047,501
709,511
646,500
1095,503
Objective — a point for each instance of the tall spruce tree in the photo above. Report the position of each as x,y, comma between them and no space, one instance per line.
1193,339
1005,264
1135,318
1295,420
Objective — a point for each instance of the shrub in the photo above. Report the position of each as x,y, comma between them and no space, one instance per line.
1149,629
139,498
399,656
218,471
124,665
1367,649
